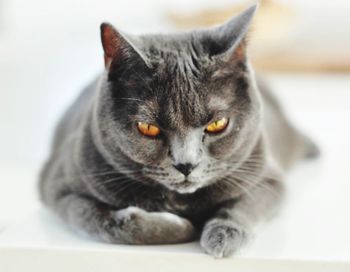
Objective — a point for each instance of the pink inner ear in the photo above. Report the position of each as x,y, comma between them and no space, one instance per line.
240,51
110,42
108,61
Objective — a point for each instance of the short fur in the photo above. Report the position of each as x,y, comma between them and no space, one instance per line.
105,178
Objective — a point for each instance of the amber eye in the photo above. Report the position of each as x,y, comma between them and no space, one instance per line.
148,129
217,126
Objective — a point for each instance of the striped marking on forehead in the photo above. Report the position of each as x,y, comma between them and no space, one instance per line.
187,97
185,111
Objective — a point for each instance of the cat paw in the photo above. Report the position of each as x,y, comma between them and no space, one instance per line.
222,238
140,216
142,227
131,214
114,226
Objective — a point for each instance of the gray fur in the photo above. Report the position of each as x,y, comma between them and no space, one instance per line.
105,178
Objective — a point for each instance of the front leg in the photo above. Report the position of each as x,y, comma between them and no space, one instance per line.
233,224
131,225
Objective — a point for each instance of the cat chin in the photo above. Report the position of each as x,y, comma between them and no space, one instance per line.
184,189
190,190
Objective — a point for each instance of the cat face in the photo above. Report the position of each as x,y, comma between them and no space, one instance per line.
181,109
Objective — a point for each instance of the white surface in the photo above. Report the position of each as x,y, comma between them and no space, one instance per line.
57,260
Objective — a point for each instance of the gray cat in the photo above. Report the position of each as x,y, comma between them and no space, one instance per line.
175,141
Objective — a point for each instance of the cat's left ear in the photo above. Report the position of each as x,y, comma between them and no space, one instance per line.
117,48
228,41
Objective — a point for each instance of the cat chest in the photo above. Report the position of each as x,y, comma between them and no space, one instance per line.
198,208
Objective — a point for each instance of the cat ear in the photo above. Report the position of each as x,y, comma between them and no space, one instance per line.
116,47
229,39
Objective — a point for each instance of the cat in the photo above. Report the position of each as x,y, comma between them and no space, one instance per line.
177,140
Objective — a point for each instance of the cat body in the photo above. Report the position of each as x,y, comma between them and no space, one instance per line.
134,159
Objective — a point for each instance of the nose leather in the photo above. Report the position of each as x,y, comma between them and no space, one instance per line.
185,168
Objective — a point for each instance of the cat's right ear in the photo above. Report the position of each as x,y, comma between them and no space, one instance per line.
228,41
116,47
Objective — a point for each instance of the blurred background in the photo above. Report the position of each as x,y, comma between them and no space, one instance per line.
49,50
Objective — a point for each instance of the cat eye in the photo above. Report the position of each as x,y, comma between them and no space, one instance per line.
148,129
217,126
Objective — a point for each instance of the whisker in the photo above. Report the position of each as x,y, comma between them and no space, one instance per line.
232,182
259,184
130,98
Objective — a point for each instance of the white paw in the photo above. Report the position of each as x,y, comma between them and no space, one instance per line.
129,212
135,213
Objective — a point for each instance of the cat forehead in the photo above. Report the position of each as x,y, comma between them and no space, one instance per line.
182,92
181,112
179,99
175,112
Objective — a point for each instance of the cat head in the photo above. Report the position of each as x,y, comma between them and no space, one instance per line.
181,109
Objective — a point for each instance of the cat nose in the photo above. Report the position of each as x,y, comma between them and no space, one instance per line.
185,168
